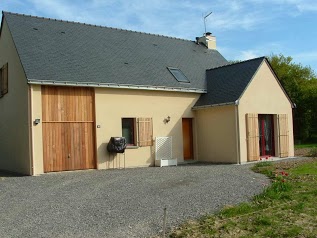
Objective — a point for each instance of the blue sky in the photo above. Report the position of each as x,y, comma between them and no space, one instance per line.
244,28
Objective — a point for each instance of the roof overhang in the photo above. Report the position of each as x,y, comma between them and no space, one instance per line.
112,85
216,105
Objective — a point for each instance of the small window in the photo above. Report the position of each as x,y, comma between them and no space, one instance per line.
128,130
138,131
178,75
4,80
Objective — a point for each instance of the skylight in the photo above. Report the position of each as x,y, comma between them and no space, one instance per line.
178,75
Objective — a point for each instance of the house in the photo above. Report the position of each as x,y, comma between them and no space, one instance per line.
67,88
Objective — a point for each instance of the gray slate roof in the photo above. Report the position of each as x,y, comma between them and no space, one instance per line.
61,51
226,84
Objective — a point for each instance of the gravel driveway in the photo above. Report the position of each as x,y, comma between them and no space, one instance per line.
119,203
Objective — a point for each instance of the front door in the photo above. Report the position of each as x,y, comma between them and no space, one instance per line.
188,138
266,135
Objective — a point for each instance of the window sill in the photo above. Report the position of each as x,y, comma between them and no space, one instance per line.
132,147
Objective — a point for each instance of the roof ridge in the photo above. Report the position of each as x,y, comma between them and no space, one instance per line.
244,61
93,25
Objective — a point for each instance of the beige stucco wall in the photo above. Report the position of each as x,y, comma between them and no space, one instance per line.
216,130
264,96
114,104
14,126
37,142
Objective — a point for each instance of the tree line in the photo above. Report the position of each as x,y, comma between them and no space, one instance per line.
300,82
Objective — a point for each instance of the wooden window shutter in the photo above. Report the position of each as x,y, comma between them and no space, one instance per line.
253,136
145,132
4,79
283,135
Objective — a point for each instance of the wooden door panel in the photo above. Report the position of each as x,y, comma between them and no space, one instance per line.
68,146
67,104
68,128
187,138
81,146
54,147
283,135
252,127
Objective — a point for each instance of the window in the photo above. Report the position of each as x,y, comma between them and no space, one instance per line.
128,130
178,75
138,131
4,80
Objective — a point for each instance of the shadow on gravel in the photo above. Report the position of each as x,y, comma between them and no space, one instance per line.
4,174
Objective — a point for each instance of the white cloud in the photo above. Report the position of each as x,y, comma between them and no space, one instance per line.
311,55
175,18
266,49
156,16
300,5
307,58
251,14
59,9
249,54
7,5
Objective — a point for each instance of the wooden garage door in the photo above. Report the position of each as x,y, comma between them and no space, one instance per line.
68,128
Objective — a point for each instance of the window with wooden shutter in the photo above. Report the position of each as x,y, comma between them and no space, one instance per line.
4,80
253,136
145,132
283,135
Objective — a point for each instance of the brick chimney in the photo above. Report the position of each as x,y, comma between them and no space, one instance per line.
208,40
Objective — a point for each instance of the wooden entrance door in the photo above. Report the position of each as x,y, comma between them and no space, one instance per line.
188,138
68,128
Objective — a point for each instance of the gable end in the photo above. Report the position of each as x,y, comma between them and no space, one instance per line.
293,105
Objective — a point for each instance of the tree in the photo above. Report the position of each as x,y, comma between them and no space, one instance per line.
300,82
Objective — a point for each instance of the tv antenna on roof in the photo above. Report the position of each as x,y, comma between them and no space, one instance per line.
205,20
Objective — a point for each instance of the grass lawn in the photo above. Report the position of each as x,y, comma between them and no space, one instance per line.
287,207
310,145
305,150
